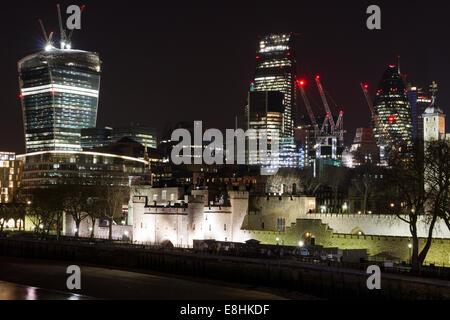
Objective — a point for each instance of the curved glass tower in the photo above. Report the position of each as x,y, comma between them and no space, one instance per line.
393,126
59,96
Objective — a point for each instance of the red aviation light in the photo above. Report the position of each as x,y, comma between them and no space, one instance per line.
288,53
257,57
301,83
317,77
391,119
366,86
20,96
341,111
326,116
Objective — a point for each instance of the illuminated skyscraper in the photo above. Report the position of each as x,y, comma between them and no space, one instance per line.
392,110
276,71
59,95
419,100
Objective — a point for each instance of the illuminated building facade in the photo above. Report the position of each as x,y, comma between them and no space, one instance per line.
264,114
392,110
92,138
276,71
59,91
419,100
145,135
51,168
10,176
95,137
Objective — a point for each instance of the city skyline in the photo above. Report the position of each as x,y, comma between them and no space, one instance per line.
227,78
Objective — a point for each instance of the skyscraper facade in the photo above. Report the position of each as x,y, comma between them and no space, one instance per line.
59,96
276,71
419,100
393,127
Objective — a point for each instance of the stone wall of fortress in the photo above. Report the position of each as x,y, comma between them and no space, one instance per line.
395,246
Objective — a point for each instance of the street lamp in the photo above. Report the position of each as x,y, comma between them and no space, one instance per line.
410,256
300,243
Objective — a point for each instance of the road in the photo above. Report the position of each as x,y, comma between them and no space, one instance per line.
40,279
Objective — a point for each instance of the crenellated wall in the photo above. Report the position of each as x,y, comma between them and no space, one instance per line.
382,225
384,247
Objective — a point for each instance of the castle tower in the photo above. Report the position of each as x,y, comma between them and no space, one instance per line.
433,124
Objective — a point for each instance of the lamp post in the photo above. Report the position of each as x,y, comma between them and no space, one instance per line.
410,256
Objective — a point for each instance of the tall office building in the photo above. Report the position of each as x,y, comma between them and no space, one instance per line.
276,70
392,110
419,100
264,114
59,96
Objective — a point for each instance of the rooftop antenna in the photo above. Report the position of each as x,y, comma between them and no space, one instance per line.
62,32
398,64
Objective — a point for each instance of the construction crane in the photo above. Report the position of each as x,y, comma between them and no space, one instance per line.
329,116
65,40
62,32
301,85
365,89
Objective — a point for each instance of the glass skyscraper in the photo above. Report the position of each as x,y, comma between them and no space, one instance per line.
59,96
276,70
392,110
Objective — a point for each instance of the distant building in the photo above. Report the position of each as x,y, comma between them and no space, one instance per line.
364,143
145,135
52,168
392,110
419,100
92,138
434,124
59,91
276,70
10,176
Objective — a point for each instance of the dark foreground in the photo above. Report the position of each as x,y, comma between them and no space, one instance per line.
25,278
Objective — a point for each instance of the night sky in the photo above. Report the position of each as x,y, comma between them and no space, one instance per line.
191,60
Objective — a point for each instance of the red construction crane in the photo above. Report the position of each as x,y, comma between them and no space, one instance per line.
301,85
325,103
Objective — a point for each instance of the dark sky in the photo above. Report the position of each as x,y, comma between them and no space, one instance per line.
190,60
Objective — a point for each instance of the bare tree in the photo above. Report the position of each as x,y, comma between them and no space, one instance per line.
114,197
422,182
437,178
46,210
75,203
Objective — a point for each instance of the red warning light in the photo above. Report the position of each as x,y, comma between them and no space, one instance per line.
317,77
20,96
326,116
301,82
257,57
391,119
366,86
288,53
341,111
